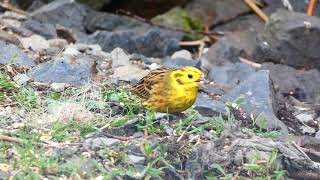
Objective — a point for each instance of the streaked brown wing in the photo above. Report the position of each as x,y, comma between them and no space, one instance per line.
144,86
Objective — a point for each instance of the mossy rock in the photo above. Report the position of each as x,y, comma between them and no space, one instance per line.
180,18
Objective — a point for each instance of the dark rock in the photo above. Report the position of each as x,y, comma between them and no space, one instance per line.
67,13
152,43
11,54
99,21
259,96
179,62
228,49
231,74
290,38
64,70
218,11
96,4
44,29
303,85
208,107
297,6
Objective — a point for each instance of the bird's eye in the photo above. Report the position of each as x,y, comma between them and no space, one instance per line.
190,76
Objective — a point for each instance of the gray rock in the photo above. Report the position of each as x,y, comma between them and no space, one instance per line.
129,73
58,43
101,21
285,38
214,12
10,54
119,58
34,42
208,107
42,28
305,85
99,142
317,134
67,13
229,48
58,87
71,51
21,79
63,70
179,62
231,74
305,118
133,159
154,42
181,54
307,130
259,96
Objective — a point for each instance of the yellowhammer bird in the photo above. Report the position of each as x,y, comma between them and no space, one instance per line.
169,90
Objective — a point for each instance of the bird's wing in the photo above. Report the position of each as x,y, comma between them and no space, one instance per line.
145,85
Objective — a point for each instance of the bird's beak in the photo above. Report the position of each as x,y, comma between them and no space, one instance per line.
202,83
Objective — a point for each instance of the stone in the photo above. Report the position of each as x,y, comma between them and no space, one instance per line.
64,69
317,135
304,85
34,42
214,12
67,13
44,29
58,43
231,74
71,50
119,58
305,118
58,87
307,130
179,62
185,54
21,79
285,38
228,49
101,21
133,159
259,96
129,73
208,107
153,42
11,54
99,143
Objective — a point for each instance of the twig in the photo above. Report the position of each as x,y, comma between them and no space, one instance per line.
257,10
10,139
12,8
311,6
246,61
300,150
184,132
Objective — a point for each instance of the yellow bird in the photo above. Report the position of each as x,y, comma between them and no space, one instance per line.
169,90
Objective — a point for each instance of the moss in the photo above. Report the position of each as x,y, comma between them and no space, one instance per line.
180,18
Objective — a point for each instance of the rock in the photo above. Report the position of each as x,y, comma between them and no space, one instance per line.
44,29
119,58
154,42
71,50
10,54
214,12
67,13
285,38
58,43
208,107
231,74
228,49
185,54
21,79
99,143
305,118
259,97
133,159
307,130
180,62
304,85
317,134
34,42
101,21
59,87
129,73
64,70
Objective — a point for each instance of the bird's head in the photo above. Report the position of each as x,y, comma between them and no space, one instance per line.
187,75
